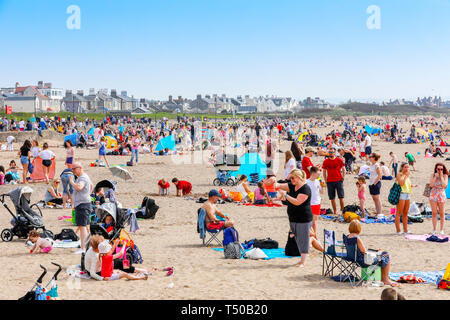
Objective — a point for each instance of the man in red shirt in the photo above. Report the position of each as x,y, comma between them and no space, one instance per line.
184,186
333,174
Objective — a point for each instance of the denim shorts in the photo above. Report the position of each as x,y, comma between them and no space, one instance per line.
24,160
405,196
272,194
67,187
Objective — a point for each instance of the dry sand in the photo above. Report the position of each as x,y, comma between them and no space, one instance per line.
202,273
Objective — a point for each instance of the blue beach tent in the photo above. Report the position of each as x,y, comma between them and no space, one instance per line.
167,142
251,163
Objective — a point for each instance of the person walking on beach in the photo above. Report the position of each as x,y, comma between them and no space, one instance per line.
47,156
375,181
135,143
70,153
82,202
298,196
393,163
410,159
25,155
438,184
367,144
333,175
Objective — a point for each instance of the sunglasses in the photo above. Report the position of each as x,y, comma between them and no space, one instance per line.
440,169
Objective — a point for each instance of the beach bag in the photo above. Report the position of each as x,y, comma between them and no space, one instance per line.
370,257
129,163
427,190
265,244
66,234
231,245
351,208
256,253
291,248
394,194
444,284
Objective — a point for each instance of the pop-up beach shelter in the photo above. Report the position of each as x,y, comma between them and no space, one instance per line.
167,142
251,163
447,192
111,142
72,138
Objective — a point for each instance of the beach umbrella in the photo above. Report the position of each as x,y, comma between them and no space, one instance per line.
91,132
121,173
167,142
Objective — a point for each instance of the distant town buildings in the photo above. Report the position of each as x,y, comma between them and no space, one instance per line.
43,97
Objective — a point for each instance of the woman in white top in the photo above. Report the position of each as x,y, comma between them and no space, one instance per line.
289,164
375,181
242,187
35,149
46,156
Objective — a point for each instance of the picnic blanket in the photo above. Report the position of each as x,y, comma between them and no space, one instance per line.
270,253
62,244
423,237
428,276
429,216
366,220
270,205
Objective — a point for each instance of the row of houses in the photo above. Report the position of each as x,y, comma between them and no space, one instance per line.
44,98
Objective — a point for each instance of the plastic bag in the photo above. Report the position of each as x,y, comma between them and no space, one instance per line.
414,210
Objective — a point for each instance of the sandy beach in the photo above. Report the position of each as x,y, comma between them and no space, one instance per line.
171,240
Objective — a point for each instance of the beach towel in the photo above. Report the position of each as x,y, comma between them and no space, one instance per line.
270,253
383,220
423,237
269,205
427,276
67,244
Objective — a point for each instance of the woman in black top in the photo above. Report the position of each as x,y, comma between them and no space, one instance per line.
298,196
25,155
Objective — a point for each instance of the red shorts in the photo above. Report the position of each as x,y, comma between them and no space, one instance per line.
316,209
215,225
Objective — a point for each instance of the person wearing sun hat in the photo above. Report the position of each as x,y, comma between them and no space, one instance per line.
212,213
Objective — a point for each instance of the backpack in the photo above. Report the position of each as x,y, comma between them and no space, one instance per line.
148,209
66,234
291,248
231,245
265,244
351,208
394,194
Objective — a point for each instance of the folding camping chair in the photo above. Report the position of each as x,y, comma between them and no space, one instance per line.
331,258
201,228
352,267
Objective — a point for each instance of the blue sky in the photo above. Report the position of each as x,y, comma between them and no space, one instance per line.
298,48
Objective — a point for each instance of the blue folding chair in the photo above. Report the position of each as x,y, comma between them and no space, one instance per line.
331,258
204,231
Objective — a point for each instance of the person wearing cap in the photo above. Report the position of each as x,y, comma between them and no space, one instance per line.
212,213
82,202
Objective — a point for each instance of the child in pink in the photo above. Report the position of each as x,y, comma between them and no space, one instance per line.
361,185
40,245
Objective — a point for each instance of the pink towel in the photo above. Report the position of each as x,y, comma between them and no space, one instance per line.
423,237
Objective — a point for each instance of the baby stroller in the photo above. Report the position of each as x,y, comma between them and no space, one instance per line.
27,219
119,216
38,292
224,177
